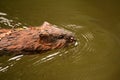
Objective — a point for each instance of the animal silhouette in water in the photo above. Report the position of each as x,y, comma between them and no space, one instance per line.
35,39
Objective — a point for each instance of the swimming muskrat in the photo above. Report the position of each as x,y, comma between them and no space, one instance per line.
35,39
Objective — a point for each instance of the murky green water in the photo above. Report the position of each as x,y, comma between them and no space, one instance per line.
96,25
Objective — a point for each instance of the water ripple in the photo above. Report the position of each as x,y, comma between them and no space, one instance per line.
85,41
11,22
10,63
3,14
46,58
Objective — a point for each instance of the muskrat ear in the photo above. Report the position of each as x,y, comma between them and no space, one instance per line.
46,24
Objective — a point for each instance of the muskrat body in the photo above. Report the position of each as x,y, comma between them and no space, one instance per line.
32,39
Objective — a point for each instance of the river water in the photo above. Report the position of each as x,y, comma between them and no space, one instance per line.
96,25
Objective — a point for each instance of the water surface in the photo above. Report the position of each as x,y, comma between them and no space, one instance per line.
96,25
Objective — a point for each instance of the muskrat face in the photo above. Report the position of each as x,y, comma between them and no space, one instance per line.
54,37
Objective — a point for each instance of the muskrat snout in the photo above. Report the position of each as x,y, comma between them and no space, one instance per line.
71,39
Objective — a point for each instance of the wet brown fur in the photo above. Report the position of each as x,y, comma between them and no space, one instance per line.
45,37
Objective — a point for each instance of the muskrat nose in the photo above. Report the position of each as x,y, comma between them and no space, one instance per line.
72,39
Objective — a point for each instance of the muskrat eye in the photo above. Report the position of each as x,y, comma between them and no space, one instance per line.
41,35
60,37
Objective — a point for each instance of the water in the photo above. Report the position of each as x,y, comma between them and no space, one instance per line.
95,56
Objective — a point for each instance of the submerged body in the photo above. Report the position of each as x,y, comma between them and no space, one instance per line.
45,37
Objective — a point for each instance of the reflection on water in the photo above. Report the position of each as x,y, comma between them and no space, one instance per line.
47,58
10,63
95,56
3,14
6,22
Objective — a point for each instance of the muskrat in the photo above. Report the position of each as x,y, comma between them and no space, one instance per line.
35,39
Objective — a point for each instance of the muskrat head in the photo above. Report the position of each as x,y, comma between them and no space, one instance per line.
52,37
